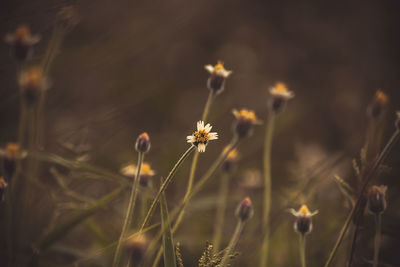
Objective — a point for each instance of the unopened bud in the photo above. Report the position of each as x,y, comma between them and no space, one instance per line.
245,210
376,201
143,143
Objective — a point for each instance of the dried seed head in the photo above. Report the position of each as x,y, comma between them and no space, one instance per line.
3,186
22,42
145,173
143,143
378,104
303,224
376,200
216,81
137,245
245,120
32,83
245,210
279,97
229,163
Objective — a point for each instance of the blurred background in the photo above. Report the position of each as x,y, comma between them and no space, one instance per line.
134,66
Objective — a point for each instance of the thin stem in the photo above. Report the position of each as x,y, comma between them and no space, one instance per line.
165,184
368,177
129,211
267,188
302,247
378,222
221,207
232,244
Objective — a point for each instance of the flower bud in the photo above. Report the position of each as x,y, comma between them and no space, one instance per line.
143,143
32,83
21,43
245,120
137,245
216,81
378,104
303,224
245,210
229,163
3,186
376,201
279,97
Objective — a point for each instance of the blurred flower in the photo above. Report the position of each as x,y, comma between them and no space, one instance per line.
68,17
245,120
279,97
137,245
201,137
10,155
303,224
145,173
22,42
378,104
251,180
229,163
216,81
143,143
32,83
376,199
245,210
3,186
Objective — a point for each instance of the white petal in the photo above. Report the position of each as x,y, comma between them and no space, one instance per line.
227,73
213,136
209,68
208,127
201,147
200,125
190,139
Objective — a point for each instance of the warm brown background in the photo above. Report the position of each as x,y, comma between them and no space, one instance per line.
134,66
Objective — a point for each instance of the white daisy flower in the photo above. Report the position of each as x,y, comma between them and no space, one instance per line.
280,90
201,137
303,224
218,70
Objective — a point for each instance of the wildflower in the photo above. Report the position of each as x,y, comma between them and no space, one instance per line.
376,199
22,42
303,223
245,210
10,155
279,97
216,81
145,173
378,104
143,143
137,245
32,83
3,186
229,163
201,137
245,120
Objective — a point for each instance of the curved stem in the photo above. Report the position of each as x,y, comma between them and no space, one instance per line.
267,188
232,244
221,206
129,211
378,222
165,184
368,177
302,246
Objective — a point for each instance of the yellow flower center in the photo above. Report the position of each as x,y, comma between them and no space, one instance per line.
219,66
146,169
248,115
281,87
201,136
12,150
381,97
304,210
3,182
21,33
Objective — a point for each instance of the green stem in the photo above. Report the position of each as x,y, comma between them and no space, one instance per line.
302,246
267,188
165,184
378,222
368,177
232,244
129,211
221,207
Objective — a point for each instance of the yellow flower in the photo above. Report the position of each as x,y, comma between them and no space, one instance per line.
218,69
303,223
280,90
201,137
32,83
245,120
21,42
145,172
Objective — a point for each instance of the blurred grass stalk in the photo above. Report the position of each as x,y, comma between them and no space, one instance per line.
232,244
197,187
378,225
267,188
129,211
220,214
368,177
302,247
